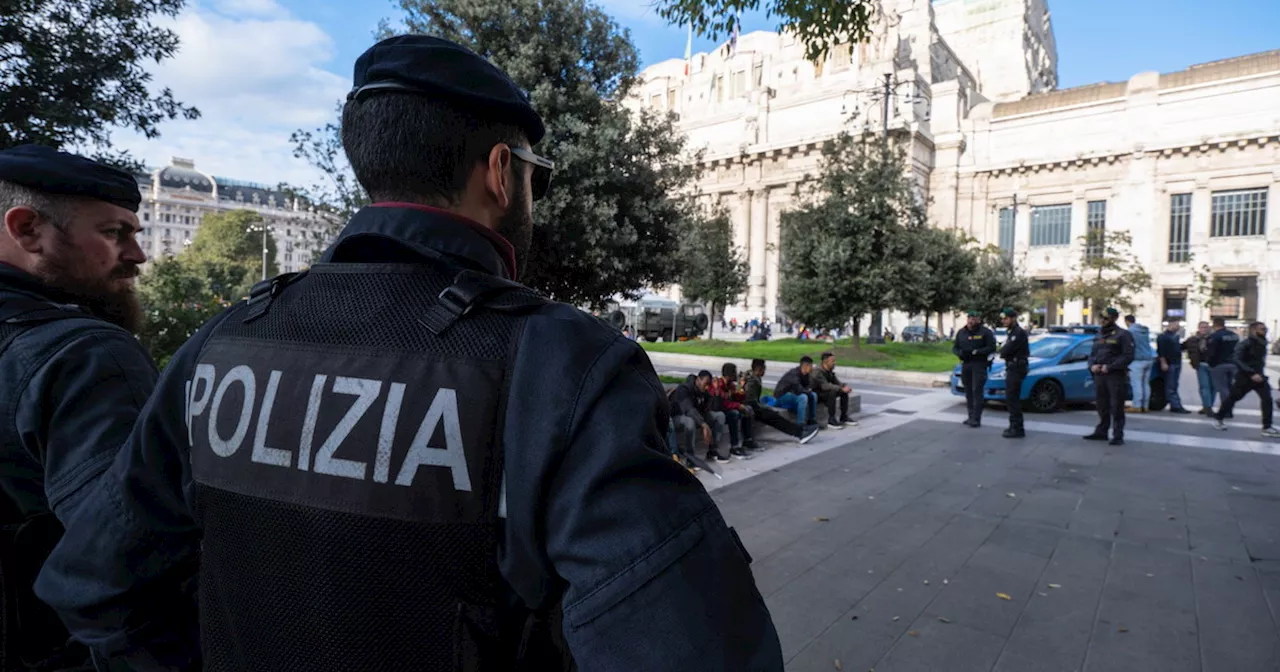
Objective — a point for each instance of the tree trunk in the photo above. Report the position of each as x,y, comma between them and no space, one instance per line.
939,326
924,337
711,324
857,330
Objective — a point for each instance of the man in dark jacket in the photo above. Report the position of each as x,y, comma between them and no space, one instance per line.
1109,364
74,377
402,459
754,387
794,392
1169,359
691,402
974,346
1016,353
1220,354
830,390
1250,360
1196,346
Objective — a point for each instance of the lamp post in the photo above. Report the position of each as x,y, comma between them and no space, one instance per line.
885,94
254,228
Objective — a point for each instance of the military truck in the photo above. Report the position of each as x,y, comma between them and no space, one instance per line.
653,318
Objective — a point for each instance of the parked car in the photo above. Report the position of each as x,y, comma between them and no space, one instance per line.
916,333
1058,373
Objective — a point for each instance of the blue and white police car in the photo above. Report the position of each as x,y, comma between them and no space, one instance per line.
1057,373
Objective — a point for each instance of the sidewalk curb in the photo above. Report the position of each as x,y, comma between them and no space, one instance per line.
882,376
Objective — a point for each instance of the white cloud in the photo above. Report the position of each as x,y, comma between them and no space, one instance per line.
255,73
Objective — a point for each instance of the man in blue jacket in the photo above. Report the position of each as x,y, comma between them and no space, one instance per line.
403,459
1140,369
74,376
1169,353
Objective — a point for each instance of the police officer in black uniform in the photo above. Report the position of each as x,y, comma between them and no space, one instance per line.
1109,363
1016,352
401,459
74,377
974,346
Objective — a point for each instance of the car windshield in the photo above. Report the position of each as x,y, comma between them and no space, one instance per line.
1047,348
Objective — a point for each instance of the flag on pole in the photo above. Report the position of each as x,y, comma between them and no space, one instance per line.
688,51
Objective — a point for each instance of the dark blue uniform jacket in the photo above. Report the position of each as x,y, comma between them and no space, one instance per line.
597,514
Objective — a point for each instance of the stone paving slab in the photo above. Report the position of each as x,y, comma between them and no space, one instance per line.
897,552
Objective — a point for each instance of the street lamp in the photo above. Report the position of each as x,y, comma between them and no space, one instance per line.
255,228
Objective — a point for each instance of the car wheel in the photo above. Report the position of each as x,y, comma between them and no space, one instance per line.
666,336
1046,397
1157,401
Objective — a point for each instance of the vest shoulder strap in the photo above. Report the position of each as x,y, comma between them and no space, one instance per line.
263,293
471,290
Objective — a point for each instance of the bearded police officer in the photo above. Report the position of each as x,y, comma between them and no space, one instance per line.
402,459
1016,353
974,346
75,378
1109,363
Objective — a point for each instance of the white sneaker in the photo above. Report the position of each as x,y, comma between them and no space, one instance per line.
1271,433
808,436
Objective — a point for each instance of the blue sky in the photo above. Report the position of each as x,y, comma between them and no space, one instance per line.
259,69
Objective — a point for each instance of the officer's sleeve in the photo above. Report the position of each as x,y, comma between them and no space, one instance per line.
955,346
1125,358
78,410
654,579
123,576
988,343
1238,357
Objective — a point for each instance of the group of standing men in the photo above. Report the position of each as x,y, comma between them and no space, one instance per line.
974,346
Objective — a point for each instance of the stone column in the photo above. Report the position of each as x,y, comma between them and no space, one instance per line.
774,248
759,202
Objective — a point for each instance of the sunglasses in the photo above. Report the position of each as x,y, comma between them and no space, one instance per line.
542,169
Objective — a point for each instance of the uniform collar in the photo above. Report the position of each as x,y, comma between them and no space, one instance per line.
431,232
15,279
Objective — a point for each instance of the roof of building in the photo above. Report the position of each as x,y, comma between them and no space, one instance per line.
1203,73
175,177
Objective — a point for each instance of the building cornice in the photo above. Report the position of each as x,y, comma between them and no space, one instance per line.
1082,160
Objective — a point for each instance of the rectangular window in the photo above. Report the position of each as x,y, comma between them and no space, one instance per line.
671,99
655,101
1050,225
1096,229
1007,218
739,84
841,55
719,86
1179,228
1242,212
757,74
1175,304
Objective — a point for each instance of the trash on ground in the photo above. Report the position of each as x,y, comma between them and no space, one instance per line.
1003,596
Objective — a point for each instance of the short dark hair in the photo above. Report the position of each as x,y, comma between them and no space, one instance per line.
827,355
405,147
704,374
729,369
1257,324
1219,321
806,360
757,364
1130,318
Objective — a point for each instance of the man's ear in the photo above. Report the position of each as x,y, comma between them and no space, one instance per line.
498,177
23,225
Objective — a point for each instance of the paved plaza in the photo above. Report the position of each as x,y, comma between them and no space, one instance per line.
916,543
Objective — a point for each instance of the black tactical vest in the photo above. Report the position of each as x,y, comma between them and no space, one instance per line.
31,635
346,460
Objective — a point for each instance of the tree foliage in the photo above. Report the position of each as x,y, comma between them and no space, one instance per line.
1108,274
845,250
995,285
181,293
939,266
339,196
611,223
70,70
712,270
818,24
1206,288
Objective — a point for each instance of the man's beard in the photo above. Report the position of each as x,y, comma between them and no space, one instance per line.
117,306
516,225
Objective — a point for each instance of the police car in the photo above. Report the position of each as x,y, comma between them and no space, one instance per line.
1057,373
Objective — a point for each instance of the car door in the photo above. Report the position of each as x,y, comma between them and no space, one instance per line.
1077,382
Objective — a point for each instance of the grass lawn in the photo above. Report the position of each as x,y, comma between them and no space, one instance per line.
924,357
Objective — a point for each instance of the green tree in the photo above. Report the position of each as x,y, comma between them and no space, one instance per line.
712,270
1108,274
995,285
844,250
818,24
611,223
1206,288
70,70
176,300
228,247
938,266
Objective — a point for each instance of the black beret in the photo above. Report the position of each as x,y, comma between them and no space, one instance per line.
1009,312
448,72
975,313
1112,312
47,170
